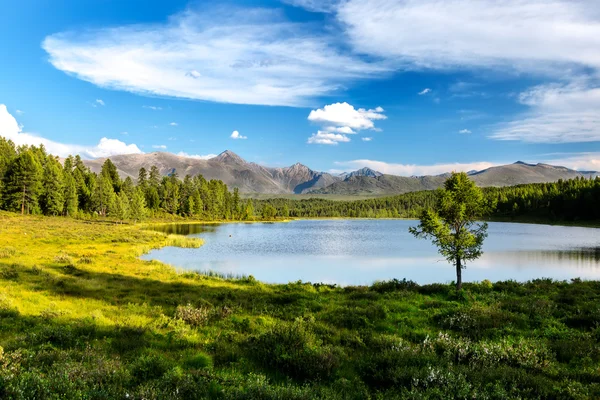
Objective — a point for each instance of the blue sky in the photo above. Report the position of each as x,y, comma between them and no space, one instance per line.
405,87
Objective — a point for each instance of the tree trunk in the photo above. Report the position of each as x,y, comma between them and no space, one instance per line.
458,274
23,202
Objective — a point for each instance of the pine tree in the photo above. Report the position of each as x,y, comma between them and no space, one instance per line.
23,183
120,207
138,205
52,197
104,195
70,196
248,211
109,170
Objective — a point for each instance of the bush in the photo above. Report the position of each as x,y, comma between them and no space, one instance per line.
294,350
202,315
148,367
394,285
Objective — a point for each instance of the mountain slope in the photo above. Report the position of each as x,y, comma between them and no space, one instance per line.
505,175
228,167
254,178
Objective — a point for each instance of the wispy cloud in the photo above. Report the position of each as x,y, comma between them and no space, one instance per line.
19,112
413,169
155,108
100,102
197,156
173,124
159,146
424,92
327,138
558,114
464,131
243,55
9,128
535,35
366,139
236,135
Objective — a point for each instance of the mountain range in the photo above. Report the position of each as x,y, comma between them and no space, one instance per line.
250,177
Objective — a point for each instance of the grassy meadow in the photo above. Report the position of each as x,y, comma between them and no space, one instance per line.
82,317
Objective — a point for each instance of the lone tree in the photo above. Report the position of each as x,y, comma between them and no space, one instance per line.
452,225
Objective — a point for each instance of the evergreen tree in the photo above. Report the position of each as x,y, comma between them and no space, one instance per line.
138,205
104,195
120,207
248,211
142,181
128,187
70,196
52,197
23,183
109,170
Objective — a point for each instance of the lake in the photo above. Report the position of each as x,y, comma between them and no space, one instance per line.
350,252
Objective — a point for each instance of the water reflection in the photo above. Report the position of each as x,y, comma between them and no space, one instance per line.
185,229
362,251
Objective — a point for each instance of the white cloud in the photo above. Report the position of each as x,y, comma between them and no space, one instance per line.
199,157
243,55
464,131
424,92
153,108
172,138
20,112
322,137
342,118
339,129
528,35
10,129
236,135
345,115
124,133
100,101
159,146
558,114
173,124
366,139
412,169
586,161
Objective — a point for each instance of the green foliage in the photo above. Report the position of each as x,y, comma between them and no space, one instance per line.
452,226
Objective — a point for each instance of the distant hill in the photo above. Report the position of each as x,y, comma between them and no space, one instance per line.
228,167
254,178
361,172
505,175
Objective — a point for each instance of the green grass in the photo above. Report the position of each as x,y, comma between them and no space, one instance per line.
82,317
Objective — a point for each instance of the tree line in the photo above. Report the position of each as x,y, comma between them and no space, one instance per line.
34,182
565,200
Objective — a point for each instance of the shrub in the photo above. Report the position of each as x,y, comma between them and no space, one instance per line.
7,252
198,361
394,285
148,367
294,350
201,315
63,259
10,273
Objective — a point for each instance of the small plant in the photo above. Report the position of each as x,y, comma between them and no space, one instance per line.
184,242
63,258
7,252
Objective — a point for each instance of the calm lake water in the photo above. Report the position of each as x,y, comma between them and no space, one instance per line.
363,251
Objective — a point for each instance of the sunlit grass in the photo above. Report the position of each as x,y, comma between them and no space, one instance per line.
83,316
